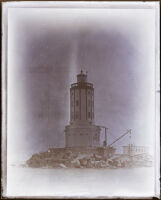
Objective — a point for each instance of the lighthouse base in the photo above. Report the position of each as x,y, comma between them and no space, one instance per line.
82,136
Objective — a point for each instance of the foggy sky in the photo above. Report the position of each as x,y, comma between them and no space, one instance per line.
48,47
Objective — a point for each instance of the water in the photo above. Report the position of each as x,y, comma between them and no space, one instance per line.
80,182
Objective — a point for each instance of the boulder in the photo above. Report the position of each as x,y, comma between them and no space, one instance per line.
83,162
97,157
76,163
62,165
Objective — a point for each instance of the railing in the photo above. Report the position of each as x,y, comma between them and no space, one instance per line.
82,84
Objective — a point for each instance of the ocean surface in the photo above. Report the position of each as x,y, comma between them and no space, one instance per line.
32,182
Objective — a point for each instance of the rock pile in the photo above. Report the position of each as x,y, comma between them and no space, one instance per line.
85,158
65,158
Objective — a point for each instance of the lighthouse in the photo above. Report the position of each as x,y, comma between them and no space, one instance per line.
82,132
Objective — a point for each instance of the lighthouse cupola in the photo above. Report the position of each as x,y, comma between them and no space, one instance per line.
81,78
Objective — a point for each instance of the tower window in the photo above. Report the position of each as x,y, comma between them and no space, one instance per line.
77,102
72,115
89,102
92,114
77,115
89,114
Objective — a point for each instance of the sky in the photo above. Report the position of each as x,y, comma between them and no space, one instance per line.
47,48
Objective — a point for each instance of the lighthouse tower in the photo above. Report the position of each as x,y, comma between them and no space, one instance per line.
82,132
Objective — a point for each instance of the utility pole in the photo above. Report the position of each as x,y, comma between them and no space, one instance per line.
106,136
105,140
130,148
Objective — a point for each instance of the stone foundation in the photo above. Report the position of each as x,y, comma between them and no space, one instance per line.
82,136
